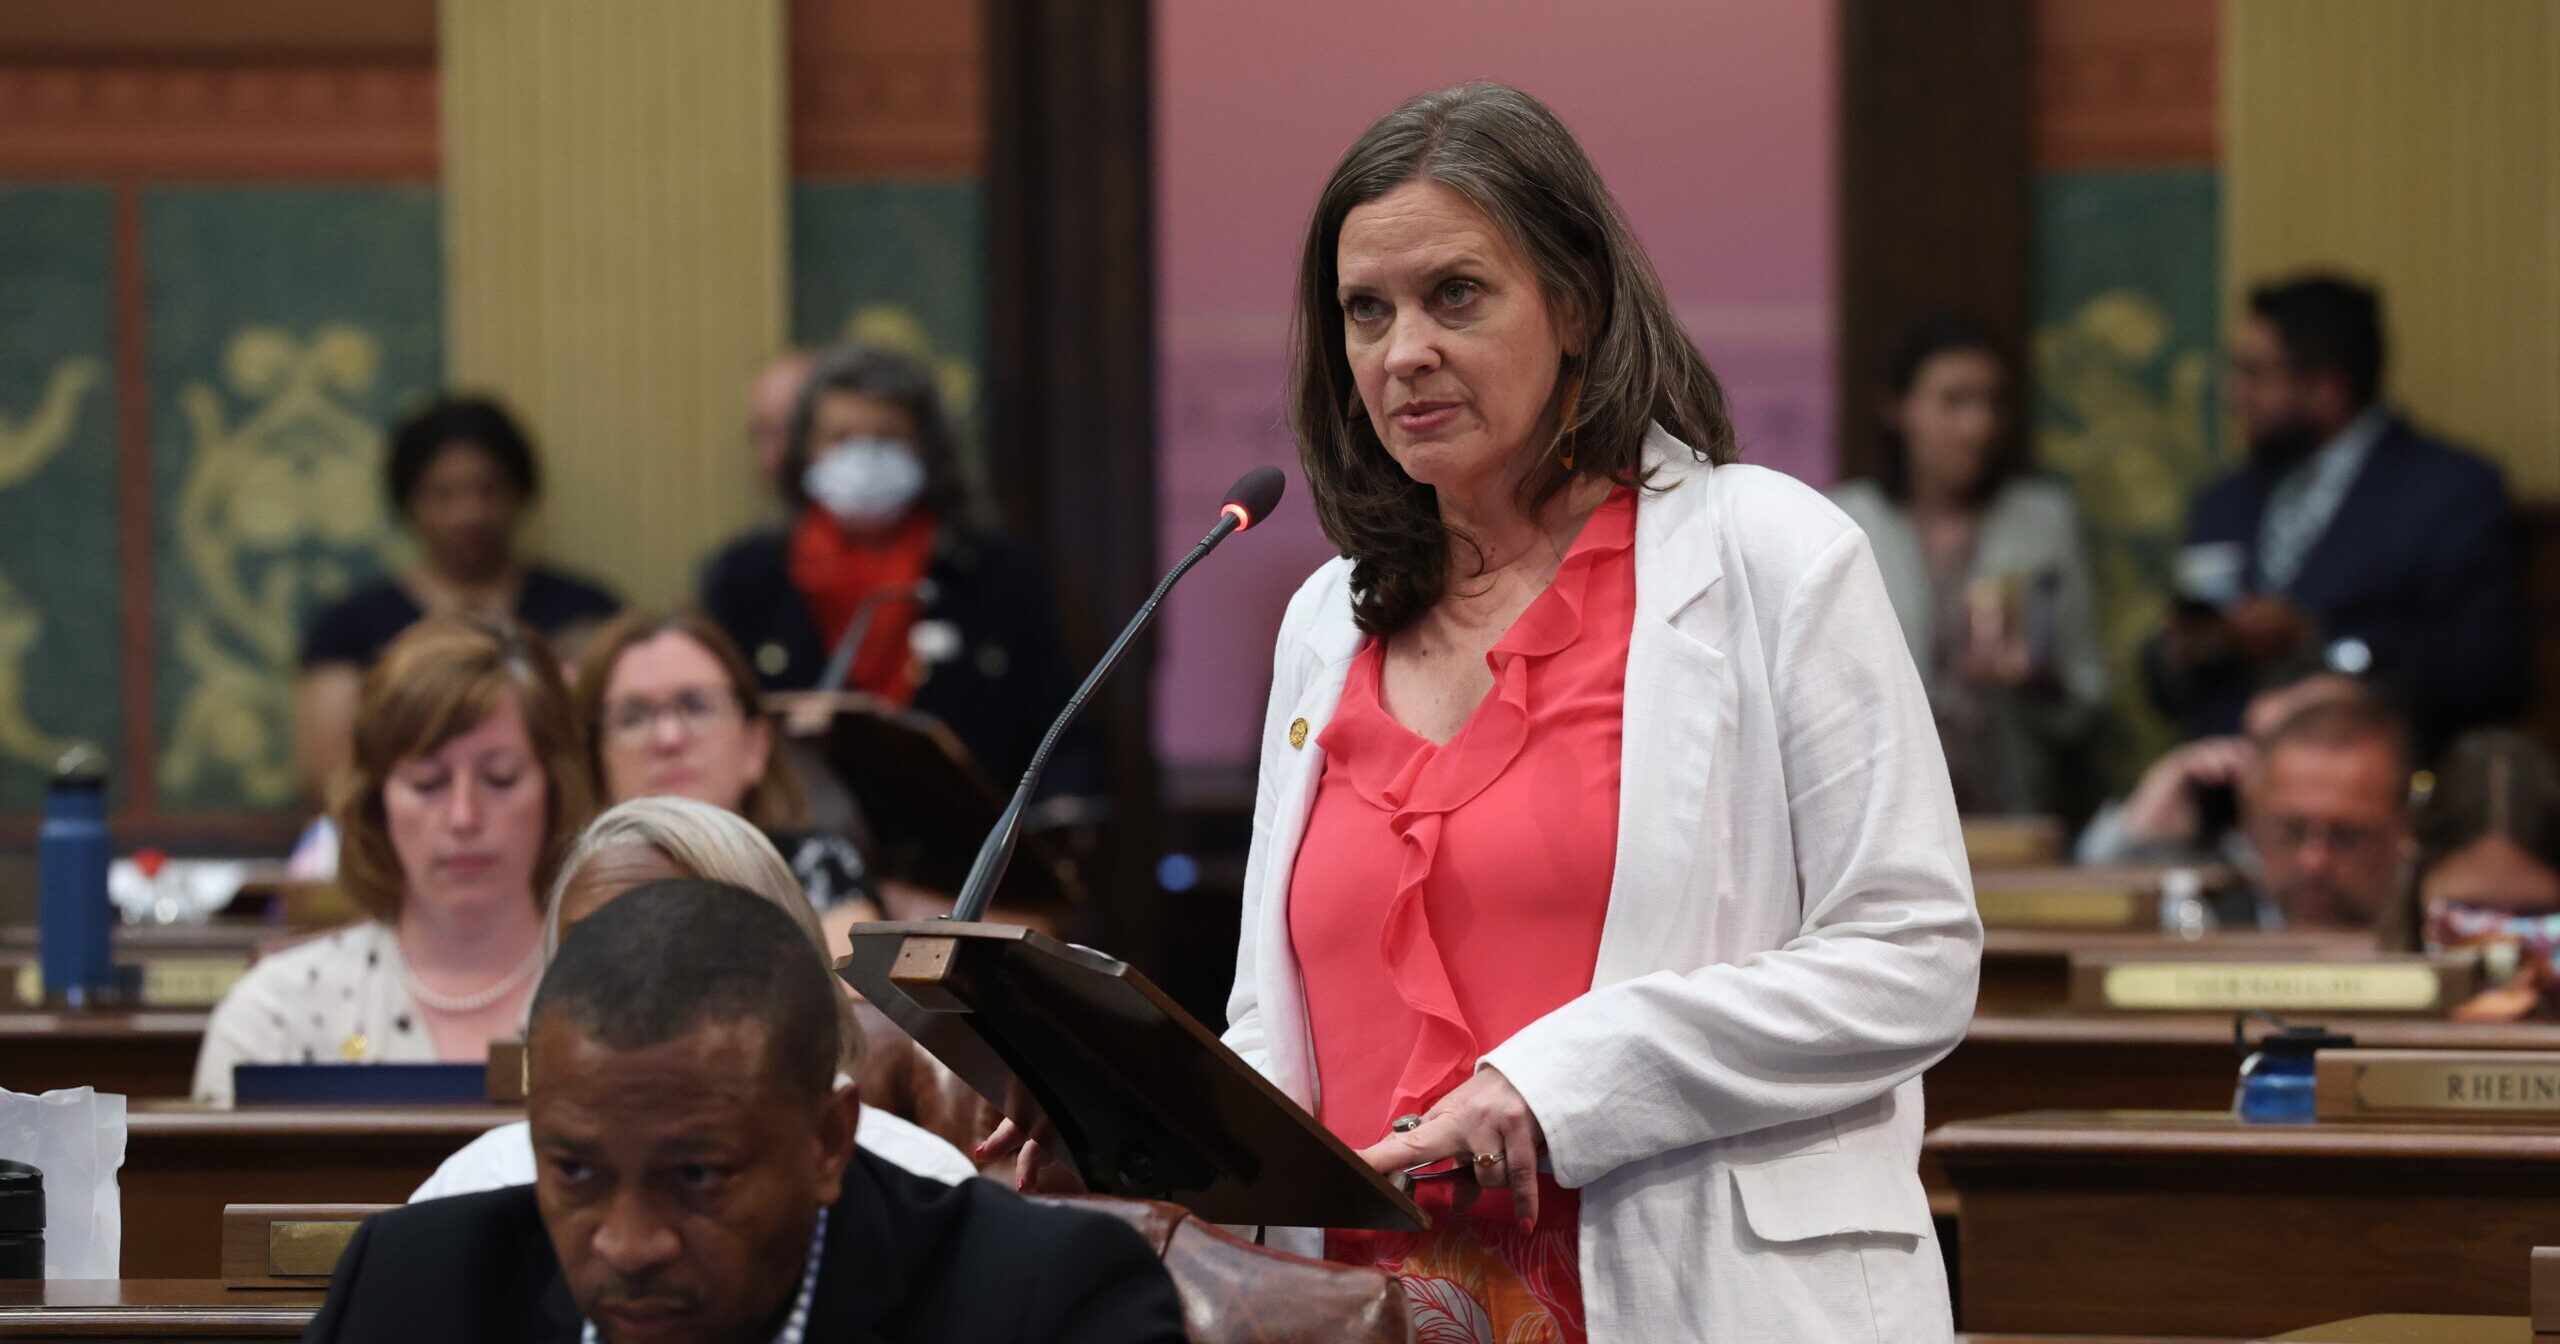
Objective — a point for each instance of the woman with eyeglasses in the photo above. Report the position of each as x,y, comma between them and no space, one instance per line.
671,711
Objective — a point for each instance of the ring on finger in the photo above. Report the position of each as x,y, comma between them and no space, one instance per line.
1488,1161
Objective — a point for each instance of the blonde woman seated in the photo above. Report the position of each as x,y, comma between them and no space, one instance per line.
466,786
653,839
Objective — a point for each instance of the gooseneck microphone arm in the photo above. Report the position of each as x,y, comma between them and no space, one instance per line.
840,660
1248,503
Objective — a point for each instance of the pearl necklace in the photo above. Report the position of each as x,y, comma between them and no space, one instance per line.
468,1003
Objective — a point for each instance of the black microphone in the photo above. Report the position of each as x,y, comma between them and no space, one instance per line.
1248,502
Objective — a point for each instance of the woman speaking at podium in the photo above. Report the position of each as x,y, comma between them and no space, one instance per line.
1604,864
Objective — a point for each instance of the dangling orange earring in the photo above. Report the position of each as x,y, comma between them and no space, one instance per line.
1572,404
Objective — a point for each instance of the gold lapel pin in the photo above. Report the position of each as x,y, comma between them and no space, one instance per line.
1298,733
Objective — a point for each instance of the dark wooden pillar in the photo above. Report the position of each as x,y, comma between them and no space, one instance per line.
1935,185
1071,397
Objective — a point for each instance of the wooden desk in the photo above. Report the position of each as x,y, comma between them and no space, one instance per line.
2183,1223
140,1055
1975,1337
2031,1062
183,1163
2421,1330
161,1310
183,966
2029,970
134,942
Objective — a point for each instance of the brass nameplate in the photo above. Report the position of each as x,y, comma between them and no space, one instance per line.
2306,986
510,1073
189,982
2012,842
2063,908
923,961
167,982
924,971
307,1250
2437,1084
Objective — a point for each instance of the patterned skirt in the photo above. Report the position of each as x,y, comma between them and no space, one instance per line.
1478,1277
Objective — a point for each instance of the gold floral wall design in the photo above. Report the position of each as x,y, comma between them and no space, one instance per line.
26,444
277,513
2126,423
2128,329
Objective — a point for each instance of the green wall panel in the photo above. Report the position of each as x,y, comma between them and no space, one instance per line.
287,327
2126,350
59,593
898,263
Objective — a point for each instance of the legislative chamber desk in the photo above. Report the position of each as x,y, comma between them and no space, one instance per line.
166,1311
2190,1223
182,1164
2420,1330
2124,1061
2027,971
135,1054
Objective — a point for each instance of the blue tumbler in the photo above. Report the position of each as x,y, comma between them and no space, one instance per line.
2277,1078
72,909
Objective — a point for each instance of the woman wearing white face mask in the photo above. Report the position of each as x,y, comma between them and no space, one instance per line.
945,616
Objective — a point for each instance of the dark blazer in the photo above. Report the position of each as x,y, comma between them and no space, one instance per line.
358,627
998,694
907,1259
2417,563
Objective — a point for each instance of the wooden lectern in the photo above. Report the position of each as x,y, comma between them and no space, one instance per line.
1146,1101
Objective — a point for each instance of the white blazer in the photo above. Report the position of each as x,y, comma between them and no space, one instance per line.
1790,938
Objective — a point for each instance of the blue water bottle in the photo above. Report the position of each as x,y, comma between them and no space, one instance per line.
72,909
2277,1078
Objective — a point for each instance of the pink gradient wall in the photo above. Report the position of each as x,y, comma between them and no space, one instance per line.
1710,119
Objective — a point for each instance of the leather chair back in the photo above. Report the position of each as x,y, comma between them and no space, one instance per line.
1234,1292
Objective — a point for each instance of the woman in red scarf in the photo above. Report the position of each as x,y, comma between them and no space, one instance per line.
883,582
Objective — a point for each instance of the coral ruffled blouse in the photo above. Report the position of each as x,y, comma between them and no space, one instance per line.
1448,895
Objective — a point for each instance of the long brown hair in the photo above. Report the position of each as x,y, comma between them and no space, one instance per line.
775,802
2493,781
442,678
1509,157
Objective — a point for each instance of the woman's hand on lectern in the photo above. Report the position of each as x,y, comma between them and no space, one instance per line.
1487,1126
1035,1170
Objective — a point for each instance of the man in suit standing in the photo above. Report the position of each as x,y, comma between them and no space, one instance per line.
699,1184
2346,534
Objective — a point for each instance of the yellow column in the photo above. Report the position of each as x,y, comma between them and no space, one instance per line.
2416,144
614,234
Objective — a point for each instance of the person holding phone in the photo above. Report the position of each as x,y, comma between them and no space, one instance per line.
2346,533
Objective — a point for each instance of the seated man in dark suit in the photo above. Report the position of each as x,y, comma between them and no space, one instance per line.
2346,531
699,1181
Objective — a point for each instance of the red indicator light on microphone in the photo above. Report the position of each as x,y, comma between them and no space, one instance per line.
1255,494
